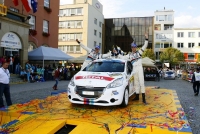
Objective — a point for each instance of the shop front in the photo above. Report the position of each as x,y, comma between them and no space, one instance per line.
11,44
14,39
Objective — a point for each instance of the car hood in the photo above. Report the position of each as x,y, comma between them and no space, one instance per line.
95,79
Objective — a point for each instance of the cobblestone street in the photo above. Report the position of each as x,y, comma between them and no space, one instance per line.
24,92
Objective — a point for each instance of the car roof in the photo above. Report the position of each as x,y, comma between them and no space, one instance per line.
110,60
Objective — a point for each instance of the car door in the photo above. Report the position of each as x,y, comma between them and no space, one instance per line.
129,69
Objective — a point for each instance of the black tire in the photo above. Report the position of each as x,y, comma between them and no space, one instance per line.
125,102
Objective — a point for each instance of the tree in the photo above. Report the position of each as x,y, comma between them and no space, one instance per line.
172,56
149,53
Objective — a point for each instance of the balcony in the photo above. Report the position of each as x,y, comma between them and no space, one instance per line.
3,10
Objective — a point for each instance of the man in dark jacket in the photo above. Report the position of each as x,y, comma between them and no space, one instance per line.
196,81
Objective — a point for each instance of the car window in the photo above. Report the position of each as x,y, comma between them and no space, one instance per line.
105,66
169,72
129,67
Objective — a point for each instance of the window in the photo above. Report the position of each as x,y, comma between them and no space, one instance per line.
100,45
73,11
180,34
191,34
100,24
95,21
95,43
46,3
190,45
32,22
199,44
168,27
157,45
179,45
99,34
169,18
72,24
70,36
45,26
95,32
164,17
190,56
166,45
79,24
79,11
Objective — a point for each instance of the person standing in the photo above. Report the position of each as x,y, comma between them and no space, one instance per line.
136,59
56,77
196,82
16,65
28,69
93,54
4,84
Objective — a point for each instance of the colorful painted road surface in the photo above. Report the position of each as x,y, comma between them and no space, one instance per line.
162,115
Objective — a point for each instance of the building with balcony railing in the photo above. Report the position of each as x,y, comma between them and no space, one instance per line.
81,20
163,31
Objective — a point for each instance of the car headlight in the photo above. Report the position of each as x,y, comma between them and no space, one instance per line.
118,82
72,82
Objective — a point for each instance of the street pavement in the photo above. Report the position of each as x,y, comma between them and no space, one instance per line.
25,92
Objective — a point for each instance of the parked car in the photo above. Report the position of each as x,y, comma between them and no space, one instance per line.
150,73
169,75
104,82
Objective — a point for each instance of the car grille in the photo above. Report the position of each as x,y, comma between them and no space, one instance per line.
96,90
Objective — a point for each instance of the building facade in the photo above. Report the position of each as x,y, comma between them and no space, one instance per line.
82,20
122,31
187,40
43,26
163,31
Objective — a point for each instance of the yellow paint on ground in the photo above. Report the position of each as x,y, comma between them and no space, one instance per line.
51,114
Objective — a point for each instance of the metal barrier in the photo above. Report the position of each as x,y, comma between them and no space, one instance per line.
3,10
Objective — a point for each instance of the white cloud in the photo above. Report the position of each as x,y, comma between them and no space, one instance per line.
111,7
187,21
190,8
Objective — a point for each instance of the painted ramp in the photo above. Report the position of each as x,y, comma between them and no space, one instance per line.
162,115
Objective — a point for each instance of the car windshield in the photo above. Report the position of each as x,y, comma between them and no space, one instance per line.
169,72
105,66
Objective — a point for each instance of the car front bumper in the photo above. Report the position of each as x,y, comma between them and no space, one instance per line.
109,97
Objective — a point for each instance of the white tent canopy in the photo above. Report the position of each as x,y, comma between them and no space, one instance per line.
146,61
47,53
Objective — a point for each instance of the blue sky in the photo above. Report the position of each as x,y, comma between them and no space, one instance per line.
186,12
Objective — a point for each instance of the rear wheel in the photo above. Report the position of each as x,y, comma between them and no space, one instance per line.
125,98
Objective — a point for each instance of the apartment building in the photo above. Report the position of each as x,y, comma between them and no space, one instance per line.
187,40
81,20
163,31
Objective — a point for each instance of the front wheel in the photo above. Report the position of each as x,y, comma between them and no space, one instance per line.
125,98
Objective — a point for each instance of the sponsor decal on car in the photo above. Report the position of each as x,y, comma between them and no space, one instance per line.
94,77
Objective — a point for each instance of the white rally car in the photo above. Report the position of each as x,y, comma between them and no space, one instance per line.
104,82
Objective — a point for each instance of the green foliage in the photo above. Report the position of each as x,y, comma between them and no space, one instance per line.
149,53
172,56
